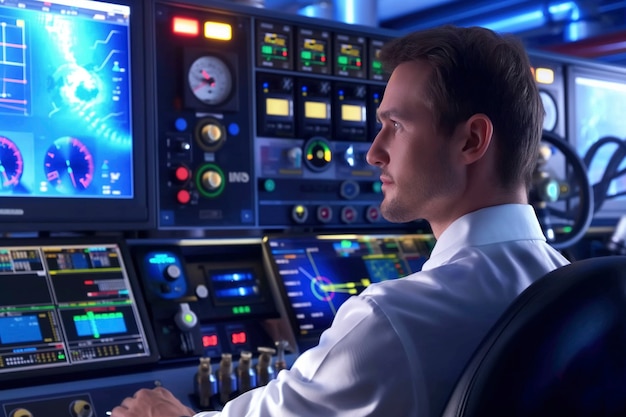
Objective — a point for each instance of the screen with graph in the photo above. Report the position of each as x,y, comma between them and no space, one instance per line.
318,273
70,131
65,100
67,306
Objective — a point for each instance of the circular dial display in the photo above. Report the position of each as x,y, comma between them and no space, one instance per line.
11,163
210,80
69,165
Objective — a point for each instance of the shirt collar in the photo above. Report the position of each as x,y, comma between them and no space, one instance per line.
489,225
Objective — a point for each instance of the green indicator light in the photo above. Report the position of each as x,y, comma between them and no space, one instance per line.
188,318
306,55
61,356
567,229
377,65
342,60
267,50
346,244
269,185
241,310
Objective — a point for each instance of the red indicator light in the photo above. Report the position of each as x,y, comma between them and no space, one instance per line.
209,341
239,338
89,282
185,26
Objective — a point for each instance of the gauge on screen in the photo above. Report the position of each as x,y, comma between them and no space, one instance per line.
210,80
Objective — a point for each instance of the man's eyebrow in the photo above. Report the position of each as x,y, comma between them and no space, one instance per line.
388,114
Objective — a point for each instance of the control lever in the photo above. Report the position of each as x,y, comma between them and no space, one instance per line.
281,363
226,378
186,320
205,383
246,376
265,371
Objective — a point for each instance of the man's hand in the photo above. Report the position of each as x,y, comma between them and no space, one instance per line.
157,402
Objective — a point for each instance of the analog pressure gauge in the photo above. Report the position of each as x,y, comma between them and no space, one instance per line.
210,80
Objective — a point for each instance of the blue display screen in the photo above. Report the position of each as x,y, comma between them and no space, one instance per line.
65,100
319,273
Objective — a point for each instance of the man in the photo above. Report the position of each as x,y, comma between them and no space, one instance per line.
461,123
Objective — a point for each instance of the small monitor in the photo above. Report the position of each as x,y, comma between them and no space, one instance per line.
317,273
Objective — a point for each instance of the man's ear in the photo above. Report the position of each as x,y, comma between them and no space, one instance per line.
478,132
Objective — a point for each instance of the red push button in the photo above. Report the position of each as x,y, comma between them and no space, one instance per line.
183,197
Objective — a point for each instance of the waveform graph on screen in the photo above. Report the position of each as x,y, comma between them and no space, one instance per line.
14,94
96,325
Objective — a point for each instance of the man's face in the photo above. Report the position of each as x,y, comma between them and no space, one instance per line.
418,172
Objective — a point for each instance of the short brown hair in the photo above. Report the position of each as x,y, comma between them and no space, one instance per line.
476,70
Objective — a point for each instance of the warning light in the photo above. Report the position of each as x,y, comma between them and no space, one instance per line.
185,26
209,341
239,338
218,30
544,75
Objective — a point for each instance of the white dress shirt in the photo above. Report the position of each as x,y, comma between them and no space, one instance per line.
398,348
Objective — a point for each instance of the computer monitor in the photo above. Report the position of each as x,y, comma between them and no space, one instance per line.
73,152
597,98
69,307
315,274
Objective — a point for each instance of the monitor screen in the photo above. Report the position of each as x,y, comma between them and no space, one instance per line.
316,274
597,100
68,306
71,143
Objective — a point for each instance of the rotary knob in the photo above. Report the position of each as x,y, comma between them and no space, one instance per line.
212,180
211,134
172,272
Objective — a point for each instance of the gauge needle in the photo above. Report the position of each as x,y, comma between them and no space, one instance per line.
71,173
210,80
4,174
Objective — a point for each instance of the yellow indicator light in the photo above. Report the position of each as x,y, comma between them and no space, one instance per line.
184,26
218,30
544,75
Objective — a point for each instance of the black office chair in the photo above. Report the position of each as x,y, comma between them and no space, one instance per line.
559,350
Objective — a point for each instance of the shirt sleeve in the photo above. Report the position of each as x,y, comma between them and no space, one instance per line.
359,368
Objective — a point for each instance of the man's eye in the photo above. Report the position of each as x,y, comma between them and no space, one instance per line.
395,125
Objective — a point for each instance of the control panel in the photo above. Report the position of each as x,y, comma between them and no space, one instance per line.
206,297
264,122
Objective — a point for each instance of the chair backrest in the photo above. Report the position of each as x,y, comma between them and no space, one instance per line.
559,350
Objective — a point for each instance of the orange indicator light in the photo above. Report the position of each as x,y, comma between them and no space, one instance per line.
544,75
185,26
218,30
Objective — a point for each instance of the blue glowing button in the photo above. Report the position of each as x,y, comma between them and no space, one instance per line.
349,189
180,124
